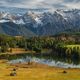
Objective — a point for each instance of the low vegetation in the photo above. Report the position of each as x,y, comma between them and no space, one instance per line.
62,45
36,72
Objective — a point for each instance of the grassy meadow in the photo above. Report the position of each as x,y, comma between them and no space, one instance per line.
36,72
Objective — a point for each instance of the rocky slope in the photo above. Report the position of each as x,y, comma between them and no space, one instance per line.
40,23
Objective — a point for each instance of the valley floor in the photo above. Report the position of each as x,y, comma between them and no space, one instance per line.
36,71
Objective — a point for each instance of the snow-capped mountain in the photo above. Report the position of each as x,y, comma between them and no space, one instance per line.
49,23
44,23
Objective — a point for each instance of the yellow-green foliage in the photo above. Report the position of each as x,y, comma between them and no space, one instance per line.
72,46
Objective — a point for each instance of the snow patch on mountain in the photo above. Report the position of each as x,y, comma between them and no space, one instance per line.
18,21
3,21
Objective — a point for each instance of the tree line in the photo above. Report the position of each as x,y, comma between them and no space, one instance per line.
39,43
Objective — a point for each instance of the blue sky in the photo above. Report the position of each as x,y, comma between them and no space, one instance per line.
55,4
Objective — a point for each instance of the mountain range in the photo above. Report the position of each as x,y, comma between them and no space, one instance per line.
41,22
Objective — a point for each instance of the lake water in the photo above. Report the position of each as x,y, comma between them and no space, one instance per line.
49,62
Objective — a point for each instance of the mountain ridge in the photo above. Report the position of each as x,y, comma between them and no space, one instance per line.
42,23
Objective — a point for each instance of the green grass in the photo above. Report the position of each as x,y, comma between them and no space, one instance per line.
72,46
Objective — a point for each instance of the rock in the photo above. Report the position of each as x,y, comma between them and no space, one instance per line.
13,74
64,72
14,69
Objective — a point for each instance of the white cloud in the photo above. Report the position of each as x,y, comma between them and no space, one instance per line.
41,3
71,4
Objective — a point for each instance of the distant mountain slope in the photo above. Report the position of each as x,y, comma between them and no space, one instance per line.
15,30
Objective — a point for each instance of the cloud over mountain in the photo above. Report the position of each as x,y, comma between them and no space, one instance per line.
41,3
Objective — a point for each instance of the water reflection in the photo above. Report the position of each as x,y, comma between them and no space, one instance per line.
58,62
